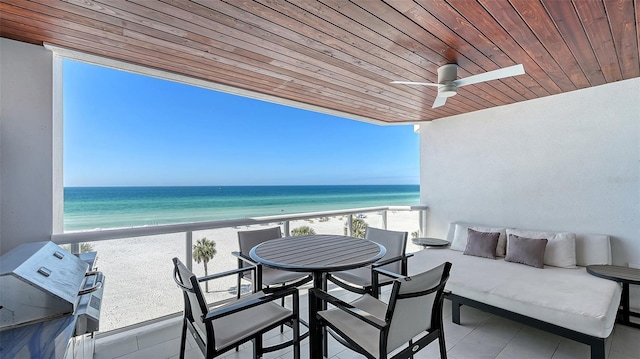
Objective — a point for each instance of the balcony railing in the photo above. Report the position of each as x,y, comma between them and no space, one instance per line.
137,261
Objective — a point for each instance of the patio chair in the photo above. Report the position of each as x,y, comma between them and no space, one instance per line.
413,317
267,277
221,329
361,280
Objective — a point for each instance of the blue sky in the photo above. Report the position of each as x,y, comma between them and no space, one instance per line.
123,129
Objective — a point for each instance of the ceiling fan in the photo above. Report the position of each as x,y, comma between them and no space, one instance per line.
448,85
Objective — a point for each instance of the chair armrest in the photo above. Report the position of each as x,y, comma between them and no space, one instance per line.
213,276
377,271
391,260
243,258
227,273
348,308
253,302
386,261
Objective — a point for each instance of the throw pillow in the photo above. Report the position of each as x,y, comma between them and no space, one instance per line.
560,250
529,251
482,244
460,236
501,249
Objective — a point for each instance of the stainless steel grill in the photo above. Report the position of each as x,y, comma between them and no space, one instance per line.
41,281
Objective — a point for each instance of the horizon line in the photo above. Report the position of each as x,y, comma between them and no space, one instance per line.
249,185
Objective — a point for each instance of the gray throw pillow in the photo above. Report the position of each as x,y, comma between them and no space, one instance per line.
482,244
529,251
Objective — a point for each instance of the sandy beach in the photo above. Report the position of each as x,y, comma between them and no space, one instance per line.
139,284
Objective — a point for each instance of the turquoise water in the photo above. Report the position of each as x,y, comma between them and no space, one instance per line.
112,207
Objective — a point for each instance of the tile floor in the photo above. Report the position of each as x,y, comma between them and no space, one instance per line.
479,336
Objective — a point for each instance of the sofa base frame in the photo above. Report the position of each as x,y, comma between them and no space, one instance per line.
597,344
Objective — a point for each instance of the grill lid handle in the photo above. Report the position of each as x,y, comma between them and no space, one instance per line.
97,285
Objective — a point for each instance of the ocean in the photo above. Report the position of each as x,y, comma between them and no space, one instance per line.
87,208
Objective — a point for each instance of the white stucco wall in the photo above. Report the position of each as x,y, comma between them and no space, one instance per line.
567,162
26,189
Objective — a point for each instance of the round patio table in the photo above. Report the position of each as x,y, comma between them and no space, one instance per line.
626,276
317,254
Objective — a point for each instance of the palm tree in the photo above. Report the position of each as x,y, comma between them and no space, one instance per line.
203,251
358,226
302,231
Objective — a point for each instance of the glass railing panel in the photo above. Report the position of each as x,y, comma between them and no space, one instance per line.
138,281
407,221
139,286
319,225
226,241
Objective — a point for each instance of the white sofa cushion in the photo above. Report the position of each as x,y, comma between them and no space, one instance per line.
561,248
459,242
592,249
570,298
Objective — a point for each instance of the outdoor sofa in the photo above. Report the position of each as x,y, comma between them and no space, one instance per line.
561,298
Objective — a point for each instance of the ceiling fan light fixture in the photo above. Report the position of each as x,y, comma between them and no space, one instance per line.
447,90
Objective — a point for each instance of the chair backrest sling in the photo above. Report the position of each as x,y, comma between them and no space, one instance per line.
197,305
415,305
394,242
250,239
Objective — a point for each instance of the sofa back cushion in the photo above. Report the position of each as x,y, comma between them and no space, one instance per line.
590,249
593,249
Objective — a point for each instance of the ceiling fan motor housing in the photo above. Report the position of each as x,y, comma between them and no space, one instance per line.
446,75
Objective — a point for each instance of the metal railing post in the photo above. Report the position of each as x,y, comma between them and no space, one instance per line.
423,223
189,250
384,219
350,224
287,232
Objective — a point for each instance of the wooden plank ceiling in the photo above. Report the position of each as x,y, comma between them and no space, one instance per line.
342,55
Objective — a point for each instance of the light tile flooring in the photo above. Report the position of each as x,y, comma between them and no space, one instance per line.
479,336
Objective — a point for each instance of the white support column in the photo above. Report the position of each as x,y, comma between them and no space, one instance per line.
189,250
384,219
57,149
423,223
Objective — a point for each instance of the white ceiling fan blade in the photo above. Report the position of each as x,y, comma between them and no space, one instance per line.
439,101
414,83
491,75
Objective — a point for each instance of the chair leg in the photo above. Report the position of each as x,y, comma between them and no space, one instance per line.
255,354
296,338
325,335
238,289
238,294
282,305
183,338
441,343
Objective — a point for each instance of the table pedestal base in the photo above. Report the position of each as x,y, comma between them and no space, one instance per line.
625,313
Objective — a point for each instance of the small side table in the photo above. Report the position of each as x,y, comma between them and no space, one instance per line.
626,276
430,242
